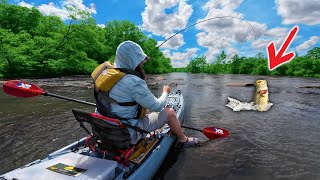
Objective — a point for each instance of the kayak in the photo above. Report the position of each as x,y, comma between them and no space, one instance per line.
78,161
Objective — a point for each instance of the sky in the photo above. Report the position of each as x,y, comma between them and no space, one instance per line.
243,27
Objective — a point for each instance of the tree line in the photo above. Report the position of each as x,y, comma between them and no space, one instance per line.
303,66
34,45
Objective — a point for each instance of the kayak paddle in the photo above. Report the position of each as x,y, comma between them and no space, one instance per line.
211,132
20,88
24,89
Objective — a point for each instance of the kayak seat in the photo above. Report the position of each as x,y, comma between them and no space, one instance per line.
108,133
108,137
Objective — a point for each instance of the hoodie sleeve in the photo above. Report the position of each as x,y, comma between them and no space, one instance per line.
143,96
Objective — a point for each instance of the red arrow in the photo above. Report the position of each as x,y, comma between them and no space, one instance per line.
274,60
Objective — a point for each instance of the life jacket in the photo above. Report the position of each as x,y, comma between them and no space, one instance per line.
105,76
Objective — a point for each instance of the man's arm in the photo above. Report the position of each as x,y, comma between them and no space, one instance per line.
143,96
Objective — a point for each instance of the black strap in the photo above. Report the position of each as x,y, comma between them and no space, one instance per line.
130,71
135,128
85,129
100,71
111,100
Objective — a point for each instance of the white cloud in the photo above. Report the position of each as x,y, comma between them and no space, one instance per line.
231,52
277,32
308,44
155,19
160,23
222,4
24,4
211,54
179,64
79,4
297,11
181,59
189,54
213,40
51,9
226,28
262,43
276,35
174,43
166,53
228,23
101,25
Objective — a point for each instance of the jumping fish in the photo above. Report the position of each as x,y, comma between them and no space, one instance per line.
262,96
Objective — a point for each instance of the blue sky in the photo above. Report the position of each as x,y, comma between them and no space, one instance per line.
271,21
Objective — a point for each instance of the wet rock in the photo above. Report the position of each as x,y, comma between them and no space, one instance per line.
159,78
174,84
179,79
240,84
153,83
311,86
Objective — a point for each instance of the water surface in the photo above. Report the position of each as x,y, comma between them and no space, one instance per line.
282,143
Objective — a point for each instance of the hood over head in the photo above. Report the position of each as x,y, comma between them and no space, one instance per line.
129,55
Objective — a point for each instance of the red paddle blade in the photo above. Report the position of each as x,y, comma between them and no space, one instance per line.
215,132
22,89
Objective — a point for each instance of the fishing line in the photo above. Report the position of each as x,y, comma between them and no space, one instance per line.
220,17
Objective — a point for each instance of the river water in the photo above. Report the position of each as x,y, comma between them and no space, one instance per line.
282,143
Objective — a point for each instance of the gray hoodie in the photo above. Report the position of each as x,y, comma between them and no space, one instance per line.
129,55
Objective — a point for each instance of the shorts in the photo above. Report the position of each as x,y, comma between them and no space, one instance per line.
151,122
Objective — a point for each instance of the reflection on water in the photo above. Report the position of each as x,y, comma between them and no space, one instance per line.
281,143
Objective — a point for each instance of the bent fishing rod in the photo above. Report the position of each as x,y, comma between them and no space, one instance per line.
205,20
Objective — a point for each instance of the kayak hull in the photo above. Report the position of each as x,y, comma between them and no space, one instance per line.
146,170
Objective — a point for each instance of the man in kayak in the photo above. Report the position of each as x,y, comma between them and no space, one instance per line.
131,88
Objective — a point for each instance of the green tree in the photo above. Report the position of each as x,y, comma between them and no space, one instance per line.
118,31
235,64
221,58
158,63
18,18
260,55
314,53
197,65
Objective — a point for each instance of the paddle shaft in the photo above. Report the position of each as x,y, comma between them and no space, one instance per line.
92,104
69,99
191,128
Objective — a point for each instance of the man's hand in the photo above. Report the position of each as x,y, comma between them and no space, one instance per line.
166,88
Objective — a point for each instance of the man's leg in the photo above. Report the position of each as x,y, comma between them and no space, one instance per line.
154,121
174,124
